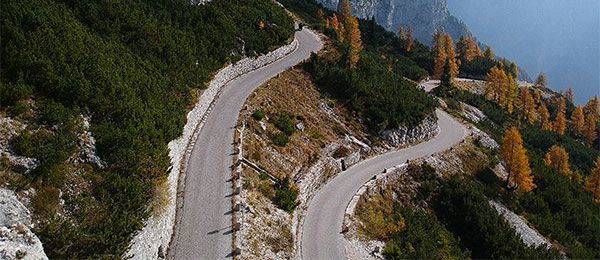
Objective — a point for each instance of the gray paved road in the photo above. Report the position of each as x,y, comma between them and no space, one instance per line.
321,235
204,230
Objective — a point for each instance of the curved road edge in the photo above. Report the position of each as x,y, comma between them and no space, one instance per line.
204,226
322,236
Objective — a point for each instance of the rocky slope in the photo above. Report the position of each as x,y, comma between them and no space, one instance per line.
425,16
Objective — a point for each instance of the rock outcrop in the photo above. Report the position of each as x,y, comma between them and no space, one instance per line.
16,239
425,16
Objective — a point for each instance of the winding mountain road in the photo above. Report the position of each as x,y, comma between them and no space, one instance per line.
203,229
322,227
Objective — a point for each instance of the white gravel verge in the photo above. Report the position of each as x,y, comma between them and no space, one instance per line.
158,229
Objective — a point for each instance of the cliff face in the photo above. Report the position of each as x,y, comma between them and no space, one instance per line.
425,16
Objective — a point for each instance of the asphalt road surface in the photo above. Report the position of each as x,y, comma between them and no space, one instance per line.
321,235
204,227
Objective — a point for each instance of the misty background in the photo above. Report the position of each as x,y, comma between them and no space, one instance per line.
559,37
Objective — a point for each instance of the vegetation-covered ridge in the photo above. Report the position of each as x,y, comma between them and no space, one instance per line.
131,66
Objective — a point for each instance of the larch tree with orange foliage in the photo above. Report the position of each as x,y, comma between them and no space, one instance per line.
592,183
537,96
410,39
593,107
560,120
338,28
558,159
496,79
509,94
401,33
439,51
467,48
321,15
527,106
590,131
451,54
356,46
516,161
578,122
261,25
489,53
569,94
345,10
545,122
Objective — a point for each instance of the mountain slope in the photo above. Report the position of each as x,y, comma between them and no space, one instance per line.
425,16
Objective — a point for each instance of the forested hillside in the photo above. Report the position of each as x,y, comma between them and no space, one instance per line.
130,66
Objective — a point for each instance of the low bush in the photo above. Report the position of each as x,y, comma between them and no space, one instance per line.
280,139
285,195
258,114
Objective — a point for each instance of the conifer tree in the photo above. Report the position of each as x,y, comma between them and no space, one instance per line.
356,45
345,10
496,79
593,107
261,25
541,80
537,96
468,49
439,51
509,93
410,39
560,120
489,53
321,15
558,158
590,132
401,33
451,54
338,28
527,106
569,95
516,161
545,117
578,122
592,183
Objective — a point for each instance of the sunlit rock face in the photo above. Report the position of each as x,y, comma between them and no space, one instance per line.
425,16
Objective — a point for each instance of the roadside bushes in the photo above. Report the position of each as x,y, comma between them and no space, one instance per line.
424,237
285,195
384,98
465,210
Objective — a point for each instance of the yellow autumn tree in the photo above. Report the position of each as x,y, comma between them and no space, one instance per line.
356,46
569,94
410,39
545,117
578,122
509,93
592,183
321,15
401,33
558,158
496,79
560,120
516,161
593,107
338,28
489,53
345,10
541,80
439,51
261,25
467,48
451,54
527,105
537,96
590,131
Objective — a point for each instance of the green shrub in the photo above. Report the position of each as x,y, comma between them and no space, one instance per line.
280,139
424,237
258,114
464,209
284,123
285,195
